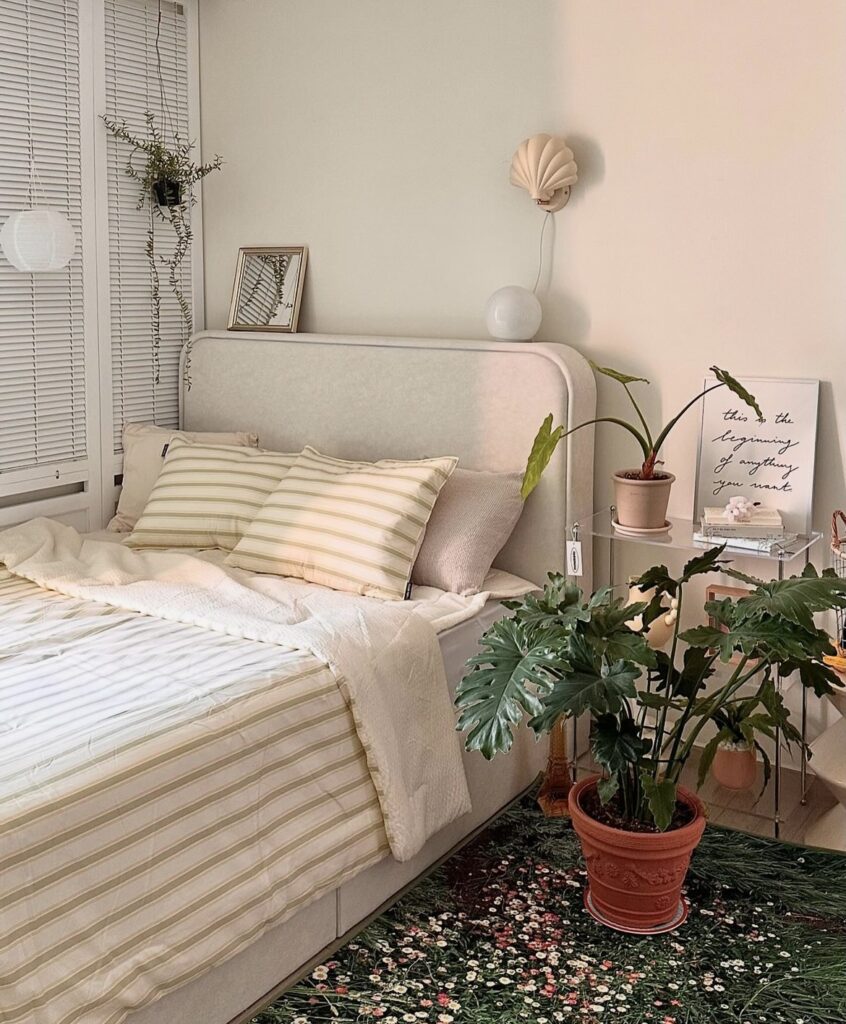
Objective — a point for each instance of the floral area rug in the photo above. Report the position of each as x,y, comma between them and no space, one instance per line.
499,934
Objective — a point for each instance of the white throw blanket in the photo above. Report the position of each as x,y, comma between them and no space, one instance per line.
384,657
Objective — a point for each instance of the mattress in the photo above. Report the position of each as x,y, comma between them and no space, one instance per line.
160,813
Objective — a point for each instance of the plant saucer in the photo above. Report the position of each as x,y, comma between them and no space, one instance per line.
636,531
678,918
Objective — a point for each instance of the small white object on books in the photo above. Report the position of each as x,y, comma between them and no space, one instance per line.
754,523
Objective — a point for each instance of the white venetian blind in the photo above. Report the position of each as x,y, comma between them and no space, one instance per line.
133,87
42,349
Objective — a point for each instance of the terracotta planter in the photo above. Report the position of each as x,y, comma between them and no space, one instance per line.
735,766
636,877
642,504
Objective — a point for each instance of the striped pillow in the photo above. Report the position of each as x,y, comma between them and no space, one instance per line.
353,526
206,495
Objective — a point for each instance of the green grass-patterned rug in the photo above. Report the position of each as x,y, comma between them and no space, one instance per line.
499,933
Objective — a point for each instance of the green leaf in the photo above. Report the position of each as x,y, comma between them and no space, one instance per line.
659,701
819,677
724,377
796,599
586,689
621,378
658,576
515,666
709,753
661,798
616,744
709,638
708,562
607,787
609,634
743,577
543,448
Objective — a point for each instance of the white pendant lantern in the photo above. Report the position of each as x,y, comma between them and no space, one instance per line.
36,240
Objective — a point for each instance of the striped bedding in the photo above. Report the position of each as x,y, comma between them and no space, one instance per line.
167,791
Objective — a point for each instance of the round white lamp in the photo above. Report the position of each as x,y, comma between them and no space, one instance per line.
513,314
38,239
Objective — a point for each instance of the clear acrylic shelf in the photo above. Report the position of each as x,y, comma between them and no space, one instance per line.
681,537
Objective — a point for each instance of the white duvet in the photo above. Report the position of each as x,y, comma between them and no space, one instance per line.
384,655
191,754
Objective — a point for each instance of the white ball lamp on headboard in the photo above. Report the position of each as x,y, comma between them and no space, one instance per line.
544,166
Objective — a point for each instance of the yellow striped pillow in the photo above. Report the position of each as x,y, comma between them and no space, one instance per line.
206,495
353,526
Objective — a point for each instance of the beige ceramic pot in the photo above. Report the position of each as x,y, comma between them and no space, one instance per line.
735,766
642,504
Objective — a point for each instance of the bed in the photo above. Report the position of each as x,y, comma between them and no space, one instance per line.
234,708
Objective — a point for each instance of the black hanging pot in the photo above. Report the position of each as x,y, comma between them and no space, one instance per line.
168,192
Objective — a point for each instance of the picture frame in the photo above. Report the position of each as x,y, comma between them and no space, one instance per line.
770,461
268,288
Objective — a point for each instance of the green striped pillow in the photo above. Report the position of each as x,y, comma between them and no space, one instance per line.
353,526
206,495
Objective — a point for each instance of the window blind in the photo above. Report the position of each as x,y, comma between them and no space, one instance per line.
42,344
133,87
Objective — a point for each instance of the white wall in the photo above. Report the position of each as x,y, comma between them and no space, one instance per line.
709,224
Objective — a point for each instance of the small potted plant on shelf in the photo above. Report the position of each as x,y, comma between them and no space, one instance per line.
641,494
731,755
559,654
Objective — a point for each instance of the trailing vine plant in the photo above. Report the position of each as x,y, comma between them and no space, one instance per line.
166,178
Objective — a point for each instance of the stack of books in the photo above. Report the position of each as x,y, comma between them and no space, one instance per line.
762,531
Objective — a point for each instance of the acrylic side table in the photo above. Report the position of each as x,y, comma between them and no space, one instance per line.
680,537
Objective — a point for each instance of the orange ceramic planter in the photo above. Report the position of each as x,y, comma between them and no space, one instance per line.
636,877
735,768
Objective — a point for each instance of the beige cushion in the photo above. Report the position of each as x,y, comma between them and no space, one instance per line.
144,449
353,526
473,518
207,495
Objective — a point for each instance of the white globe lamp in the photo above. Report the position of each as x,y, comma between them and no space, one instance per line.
513,314
36,240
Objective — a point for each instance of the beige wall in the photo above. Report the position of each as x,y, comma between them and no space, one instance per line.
709,224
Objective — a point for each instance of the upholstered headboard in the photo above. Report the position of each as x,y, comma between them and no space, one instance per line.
372,398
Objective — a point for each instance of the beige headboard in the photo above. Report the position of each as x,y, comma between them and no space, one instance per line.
372,398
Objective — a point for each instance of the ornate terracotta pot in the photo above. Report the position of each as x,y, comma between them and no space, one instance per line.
735,766
636,877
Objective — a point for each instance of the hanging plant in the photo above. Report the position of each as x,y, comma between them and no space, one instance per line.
166,176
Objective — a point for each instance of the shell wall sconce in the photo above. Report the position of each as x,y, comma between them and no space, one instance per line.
544,166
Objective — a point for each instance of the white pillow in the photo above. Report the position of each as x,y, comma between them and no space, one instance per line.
144,450
353,526
207,495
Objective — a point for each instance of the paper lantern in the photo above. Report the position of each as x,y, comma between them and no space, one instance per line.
513,314
38,240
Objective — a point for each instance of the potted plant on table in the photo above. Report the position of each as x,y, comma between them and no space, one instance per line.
559,654
731,754
641,494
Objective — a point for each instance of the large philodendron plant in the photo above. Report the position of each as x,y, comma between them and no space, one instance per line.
561,655
547,438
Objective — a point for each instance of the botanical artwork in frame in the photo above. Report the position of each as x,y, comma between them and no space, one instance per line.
770,461
268,288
